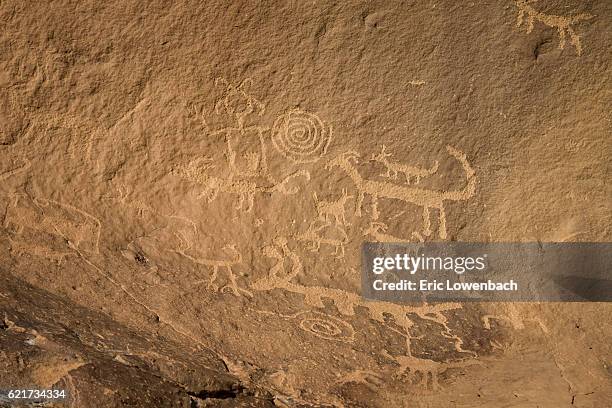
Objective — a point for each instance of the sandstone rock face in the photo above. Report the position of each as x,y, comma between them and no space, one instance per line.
185,187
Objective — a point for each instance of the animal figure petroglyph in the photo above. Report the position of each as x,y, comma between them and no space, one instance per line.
328,209
348,302
49,216
368,378
325,233
25,166
216,265
393,169
427,199
197,171
378,231
425,371
21,248
561,23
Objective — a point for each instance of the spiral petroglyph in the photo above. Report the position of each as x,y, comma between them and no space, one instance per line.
326,327
301,136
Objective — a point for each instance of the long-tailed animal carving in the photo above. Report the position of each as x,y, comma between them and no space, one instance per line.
198,171
409,172
328,209
216,264
427,199
563,24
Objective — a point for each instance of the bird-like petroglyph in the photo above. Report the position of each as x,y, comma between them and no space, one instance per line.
409,172
336,209
427,199
301,136
563,24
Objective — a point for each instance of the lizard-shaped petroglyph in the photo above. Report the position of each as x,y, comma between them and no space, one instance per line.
328,209
216,265
393,169
561,23
427,199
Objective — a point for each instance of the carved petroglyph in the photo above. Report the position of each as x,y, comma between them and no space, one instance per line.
370,379
40,214
394,169
319,233
237,102
288,265
20,249
320,324
197,171
377,230
216,265
424,371
427,199
561,23
19,169
301,136
124,198
328,209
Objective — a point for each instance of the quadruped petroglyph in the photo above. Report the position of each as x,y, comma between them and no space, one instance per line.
561,23
235,258
409,172
427,199
288,265
336,209
78,228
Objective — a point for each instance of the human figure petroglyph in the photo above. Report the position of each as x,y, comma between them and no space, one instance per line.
319,233
301,136
378,231
561,23
197,171
216,265
328,209
427,199
394,169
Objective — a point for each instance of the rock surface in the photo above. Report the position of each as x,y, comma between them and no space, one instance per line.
185,187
